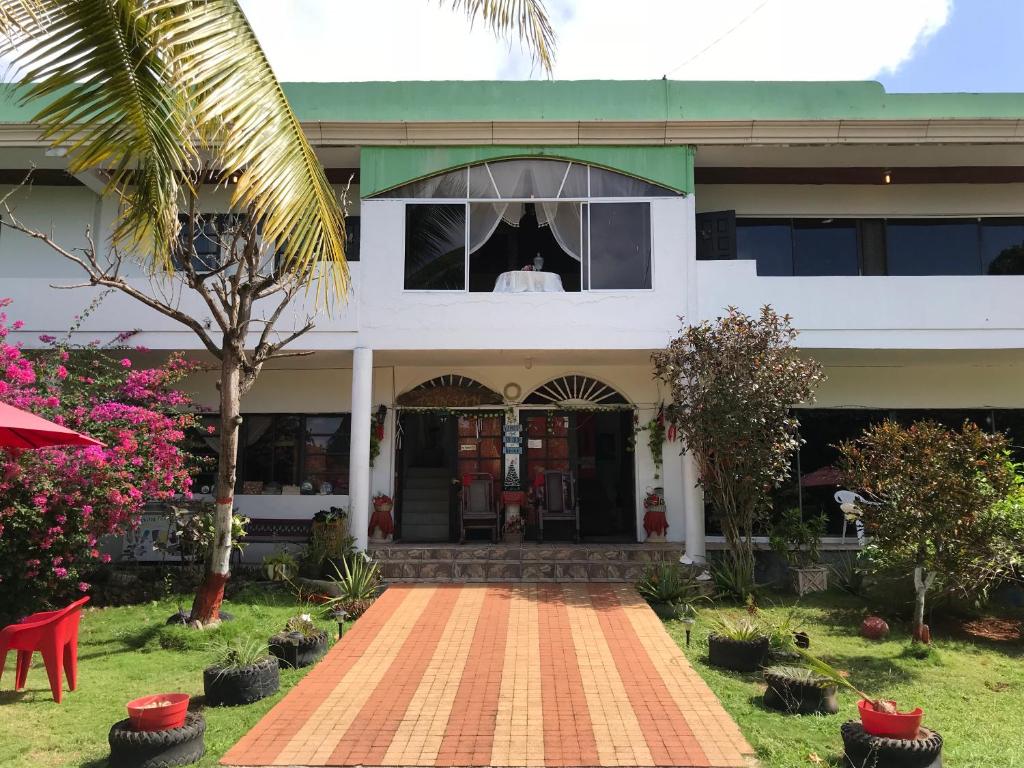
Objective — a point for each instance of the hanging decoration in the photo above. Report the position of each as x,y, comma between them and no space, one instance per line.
377,431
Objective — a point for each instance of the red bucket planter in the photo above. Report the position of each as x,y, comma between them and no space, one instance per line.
902,725
160,712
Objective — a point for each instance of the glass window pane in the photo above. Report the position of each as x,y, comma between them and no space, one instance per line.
769,242
352,229
620,245
932,247
1002,246
528,178
605,183
825,247
323,425
575,183
444,185
435,247
480,183
271,451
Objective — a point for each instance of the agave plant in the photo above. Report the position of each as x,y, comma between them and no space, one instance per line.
741,629
356,582
237,654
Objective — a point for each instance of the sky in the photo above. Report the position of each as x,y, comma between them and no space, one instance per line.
908,45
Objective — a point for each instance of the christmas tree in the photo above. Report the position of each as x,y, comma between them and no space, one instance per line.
512,477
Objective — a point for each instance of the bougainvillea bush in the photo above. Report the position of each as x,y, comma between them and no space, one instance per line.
55,503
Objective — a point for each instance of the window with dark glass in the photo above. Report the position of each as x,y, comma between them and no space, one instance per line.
1002,246
620,245
435,247
825,247
769,242
932,247
352,232
210,234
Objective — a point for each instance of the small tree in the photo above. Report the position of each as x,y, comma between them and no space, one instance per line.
942,497
734,383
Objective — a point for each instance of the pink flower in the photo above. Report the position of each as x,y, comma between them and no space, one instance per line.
60,573
126,363
104,558
83,586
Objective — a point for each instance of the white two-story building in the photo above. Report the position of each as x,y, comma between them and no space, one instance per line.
890,226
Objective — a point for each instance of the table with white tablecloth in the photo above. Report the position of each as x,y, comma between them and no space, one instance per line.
525,281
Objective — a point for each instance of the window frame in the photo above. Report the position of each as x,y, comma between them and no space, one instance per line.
585,220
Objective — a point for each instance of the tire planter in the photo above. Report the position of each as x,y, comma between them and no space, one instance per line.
737,655
799,697
157,749
241,685
862,750
298,652
665,611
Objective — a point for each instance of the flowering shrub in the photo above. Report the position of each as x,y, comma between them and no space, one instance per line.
55,503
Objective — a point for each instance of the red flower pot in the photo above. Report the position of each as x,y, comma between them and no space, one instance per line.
874,628
902,725
151,713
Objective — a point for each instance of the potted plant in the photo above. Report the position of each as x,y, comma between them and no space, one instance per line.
799,690
670,590
796,541
356,585
382,525
281,566
737,643
242,672
300,643
655,519
330,531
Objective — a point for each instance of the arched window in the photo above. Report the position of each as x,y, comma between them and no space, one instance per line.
486,227
574,390
449,391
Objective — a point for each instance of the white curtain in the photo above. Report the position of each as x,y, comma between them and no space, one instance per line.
562,218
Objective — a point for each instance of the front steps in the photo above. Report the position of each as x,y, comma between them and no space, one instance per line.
551,562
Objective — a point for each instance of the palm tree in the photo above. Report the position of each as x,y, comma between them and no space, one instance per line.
162,96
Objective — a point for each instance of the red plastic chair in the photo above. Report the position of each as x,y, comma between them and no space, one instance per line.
55,635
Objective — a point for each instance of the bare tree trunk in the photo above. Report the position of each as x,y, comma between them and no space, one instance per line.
922,581
206,605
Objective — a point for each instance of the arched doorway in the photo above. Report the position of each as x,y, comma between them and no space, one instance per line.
577,424
447,427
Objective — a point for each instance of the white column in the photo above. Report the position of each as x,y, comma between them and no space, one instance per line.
359,449
693,501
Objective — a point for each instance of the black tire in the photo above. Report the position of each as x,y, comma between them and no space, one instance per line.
232,687
665,611
298,654
737,655
157,749
863,750
798,697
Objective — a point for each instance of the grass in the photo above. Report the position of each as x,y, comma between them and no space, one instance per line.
128,652
971,690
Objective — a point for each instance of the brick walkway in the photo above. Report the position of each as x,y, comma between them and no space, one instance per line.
500,675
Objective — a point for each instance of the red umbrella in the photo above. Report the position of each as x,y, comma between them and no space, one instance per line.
20,429
823,476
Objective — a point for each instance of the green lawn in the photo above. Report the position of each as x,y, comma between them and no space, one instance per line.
124,653
971,692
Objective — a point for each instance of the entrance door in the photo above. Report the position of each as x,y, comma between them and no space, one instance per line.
426,467
595,446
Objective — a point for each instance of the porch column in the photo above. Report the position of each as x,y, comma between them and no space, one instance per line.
693,502
359,448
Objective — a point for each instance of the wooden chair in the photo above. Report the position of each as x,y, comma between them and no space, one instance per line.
477,506
560,503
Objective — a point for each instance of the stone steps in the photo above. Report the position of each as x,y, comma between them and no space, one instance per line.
527,562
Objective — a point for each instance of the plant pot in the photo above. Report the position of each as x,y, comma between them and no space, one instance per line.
811,579
298,651
157,749
240,685
144,716
902,725
799,696
862,750
737,655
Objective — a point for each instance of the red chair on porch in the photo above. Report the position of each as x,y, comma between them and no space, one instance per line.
559,503
55,635
478,507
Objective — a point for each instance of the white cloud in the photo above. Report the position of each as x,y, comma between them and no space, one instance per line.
642,39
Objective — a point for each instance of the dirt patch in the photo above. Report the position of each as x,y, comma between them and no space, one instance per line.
994,629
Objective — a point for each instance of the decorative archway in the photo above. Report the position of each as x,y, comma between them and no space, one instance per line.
449,391
576,390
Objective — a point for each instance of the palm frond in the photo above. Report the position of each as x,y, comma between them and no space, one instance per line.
526,19
21,19
242,115
109,96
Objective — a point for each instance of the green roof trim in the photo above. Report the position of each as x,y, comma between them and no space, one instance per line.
640,100
382,168
611,100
